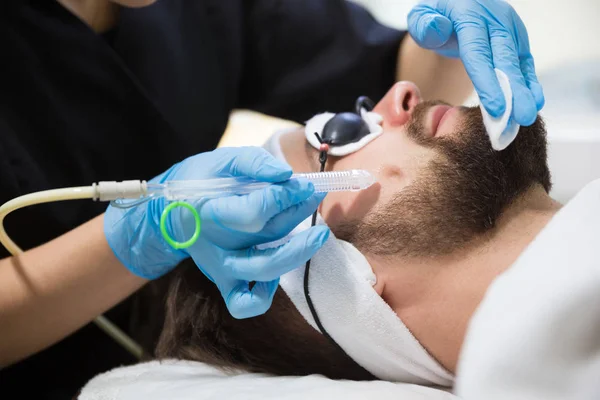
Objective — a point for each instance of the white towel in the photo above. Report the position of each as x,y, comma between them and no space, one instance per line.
369,331
536,335
341,288
187,380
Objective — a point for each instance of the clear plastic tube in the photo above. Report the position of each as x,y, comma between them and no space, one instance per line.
334,181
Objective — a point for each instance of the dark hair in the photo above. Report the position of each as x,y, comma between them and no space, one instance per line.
198,327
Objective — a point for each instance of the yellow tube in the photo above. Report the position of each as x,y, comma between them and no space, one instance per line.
49,196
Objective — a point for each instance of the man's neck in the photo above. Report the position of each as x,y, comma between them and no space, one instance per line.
99,15
436,297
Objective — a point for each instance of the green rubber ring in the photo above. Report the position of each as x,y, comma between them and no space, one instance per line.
163,225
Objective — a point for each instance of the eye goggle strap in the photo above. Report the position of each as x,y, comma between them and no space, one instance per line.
363,102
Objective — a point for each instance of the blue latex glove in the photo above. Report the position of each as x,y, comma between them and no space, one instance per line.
485,34
231,228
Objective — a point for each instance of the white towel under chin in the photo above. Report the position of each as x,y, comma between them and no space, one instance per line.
370,332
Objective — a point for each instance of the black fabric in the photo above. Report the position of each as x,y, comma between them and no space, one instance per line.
110,36
76,108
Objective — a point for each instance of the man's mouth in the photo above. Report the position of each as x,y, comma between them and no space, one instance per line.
437,115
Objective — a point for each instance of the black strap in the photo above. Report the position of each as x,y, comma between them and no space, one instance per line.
313,311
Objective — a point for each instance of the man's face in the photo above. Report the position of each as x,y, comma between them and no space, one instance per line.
439,181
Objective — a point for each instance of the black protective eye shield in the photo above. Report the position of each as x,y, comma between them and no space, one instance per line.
348,127
345,132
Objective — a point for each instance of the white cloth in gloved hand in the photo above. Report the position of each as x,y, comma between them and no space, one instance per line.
503,129
536,334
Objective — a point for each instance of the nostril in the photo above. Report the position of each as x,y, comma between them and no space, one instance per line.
406,101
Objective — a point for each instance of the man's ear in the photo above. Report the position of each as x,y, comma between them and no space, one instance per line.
398,103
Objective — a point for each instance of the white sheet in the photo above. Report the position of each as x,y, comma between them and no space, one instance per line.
536,335
185,380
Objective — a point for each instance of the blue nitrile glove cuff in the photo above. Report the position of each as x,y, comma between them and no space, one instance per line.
135,238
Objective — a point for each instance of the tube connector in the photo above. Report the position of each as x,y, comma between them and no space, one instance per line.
108,191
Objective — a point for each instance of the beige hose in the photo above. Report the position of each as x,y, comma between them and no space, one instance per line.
48,196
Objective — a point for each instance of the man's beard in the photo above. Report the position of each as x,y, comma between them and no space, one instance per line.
459,196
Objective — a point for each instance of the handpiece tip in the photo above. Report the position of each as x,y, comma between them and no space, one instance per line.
365,179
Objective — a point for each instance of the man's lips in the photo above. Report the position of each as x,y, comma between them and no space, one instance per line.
437,116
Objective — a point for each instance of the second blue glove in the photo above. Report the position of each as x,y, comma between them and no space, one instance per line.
485,34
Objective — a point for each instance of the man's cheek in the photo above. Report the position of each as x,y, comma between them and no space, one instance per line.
333,208
342,207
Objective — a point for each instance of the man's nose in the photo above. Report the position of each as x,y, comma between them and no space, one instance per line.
406,98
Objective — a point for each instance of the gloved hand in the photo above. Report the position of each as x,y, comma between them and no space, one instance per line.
231,228
485,34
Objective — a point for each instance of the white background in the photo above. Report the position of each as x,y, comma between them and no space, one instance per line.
559,30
